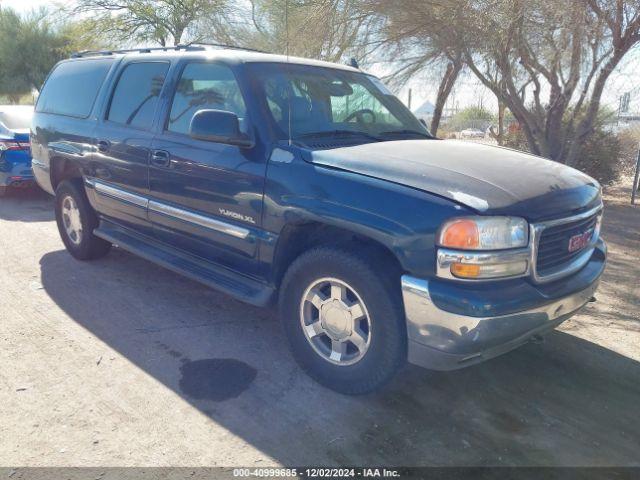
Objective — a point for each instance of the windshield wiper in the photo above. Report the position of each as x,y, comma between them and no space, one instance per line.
406,132
330,133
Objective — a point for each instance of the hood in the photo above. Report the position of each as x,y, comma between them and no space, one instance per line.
491,180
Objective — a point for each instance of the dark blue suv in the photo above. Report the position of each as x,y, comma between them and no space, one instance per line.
308,184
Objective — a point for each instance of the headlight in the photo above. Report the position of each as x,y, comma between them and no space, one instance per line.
476,248
484,233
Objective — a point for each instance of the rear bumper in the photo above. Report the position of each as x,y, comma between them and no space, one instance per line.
19,175
15,168
446,340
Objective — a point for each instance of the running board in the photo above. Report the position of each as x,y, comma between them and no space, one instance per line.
238,286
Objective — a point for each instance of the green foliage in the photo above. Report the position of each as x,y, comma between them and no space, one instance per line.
470,117
29,47
164,23
601,156
604,154
331,30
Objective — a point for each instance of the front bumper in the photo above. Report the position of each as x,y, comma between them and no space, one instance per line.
446,340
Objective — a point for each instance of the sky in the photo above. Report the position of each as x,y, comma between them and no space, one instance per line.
468,90
26,5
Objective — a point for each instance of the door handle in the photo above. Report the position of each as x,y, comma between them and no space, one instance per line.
104,145
161,158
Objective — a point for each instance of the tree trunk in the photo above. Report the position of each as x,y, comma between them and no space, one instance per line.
14,99
446,84
585,126
177,37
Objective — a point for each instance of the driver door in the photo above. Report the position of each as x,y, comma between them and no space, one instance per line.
206,197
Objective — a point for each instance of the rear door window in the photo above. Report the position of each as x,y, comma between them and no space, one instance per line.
73,86
136,95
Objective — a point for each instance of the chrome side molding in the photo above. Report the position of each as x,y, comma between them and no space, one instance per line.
197,219
168,210
119,194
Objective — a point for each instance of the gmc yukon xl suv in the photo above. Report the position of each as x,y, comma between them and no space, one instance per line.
309,185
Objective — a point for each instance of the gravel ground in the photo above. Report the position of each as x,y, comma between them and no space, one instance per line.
121,363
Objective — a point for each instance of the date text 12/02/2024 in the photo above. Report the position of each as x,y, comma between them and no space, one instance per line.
317,472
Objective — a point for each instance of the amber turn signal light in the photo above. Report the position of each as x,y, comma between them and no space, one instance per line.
463,270
462,234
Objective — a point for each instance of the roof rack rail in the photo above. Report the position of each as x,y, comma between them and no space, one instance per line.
224,45
189,46
91,53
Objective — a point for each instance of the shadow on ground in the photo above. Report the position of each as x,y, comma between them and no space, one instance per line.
26,205
566,402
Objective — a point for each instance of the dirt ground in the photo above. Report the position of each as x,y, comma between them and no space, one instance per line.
121,363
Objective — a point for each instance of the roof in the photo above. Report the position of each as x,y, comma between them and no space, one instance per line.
214,51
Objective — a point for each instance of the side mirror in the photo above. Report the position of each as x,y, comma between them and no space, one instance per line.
218,126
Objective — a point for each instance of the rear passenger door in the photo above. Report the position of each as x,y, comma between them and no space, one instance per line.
206,197
123,143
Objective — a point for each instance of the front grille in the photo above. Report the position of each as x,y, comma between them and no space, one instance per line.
553,247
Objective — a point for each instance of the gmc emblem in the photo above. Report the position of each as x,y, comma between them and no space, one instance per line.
580,241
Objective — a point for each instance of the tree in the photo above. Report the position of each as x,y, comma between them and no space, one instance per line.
31,37
423,36
560,54
329,30
164,22
471,117
30,45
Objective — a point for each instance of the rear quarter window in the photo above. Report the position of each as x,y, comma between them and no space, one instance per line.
72,87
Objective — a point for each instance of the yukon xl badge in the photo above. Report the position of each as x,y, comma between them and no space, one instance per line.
236,215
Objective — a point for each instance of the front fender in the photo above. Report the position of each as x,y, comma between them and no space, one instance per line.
402,219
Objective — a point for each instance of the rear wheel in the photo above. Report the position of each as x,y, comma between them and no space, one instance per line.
344,323
76,221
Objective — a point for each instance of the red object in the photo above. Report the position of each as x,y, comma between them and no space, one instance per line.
580,241
13,145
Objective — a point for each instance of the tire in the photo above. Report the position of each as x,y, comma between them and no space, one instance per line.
74,214
354,370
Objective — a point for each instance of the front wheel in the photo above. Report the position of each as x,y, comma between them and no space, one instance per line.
344,323
76,221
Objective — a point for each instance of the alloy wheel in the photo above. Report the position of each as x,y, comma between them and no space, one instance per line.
71,219
335,321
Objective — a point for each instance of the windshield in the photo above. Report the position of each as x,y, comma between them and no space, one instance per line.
16,120
327,102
